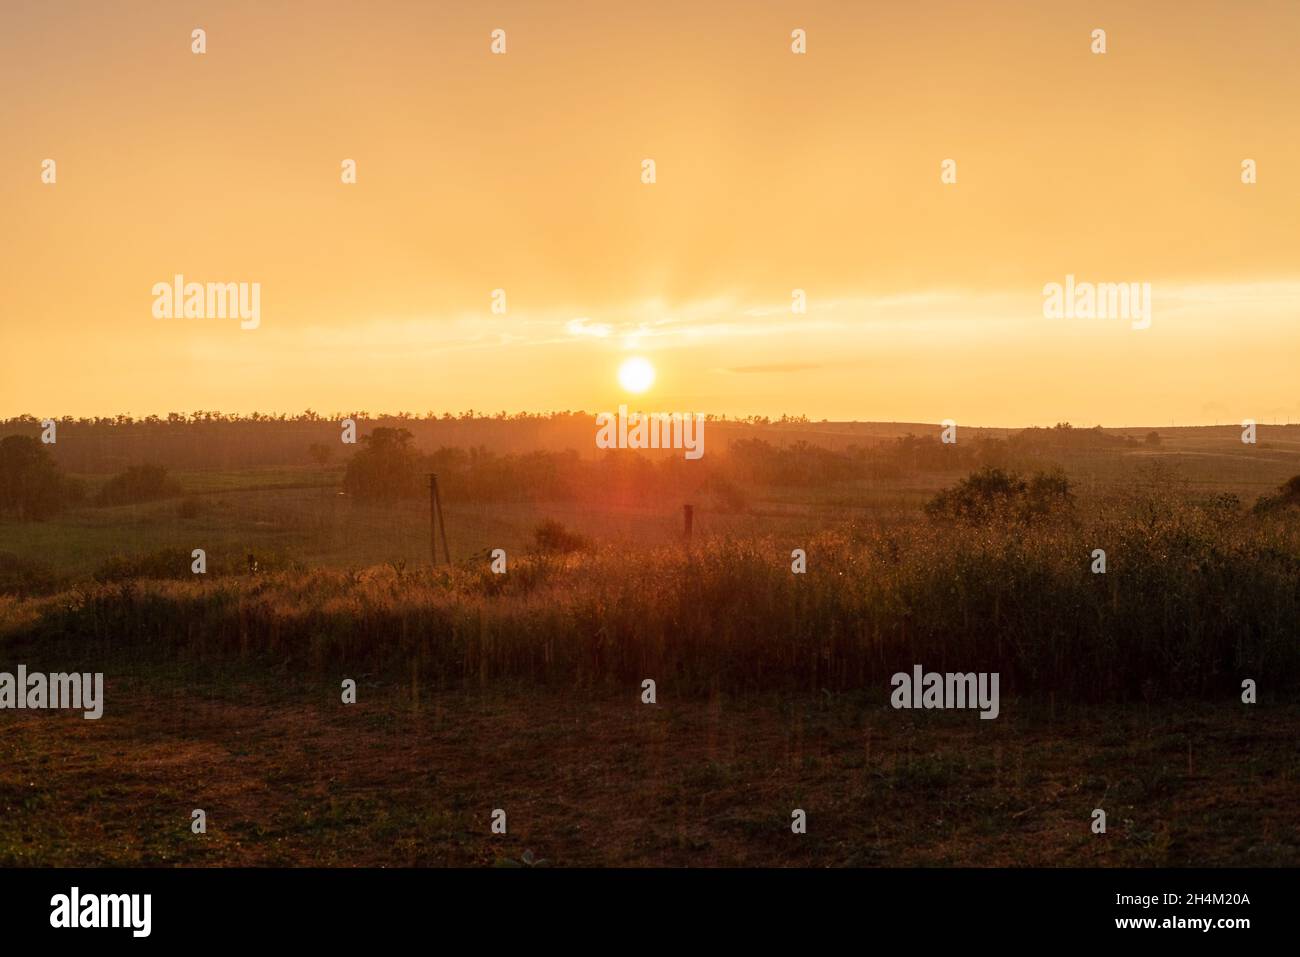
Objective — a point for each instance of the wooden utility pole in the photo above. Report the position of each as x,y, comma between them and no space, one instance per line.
436,522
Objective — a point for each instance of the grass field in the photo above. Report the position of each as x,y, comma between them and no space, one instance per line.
299,512
522,691
287,776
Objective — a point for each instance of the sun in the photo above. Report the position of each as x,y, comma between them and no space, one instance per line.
636,374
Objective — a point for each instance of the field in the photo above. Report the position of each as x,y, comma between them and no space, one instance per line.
297,510
289,778
523,691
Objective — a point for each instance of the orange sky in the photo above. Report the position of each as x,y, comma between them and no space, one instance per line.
775,172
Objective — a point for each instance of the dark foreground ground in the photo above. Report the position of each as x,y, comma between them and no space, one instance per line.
290,776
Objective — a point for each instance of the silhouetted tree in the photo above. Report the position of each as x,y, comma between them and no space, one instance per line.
139,483
385,467
31,485
992,494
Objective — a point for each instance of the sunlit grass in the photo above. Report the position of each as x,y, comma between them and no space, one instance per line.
1190,605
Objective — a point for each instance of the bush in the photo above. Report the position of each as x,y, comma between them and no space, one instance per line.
320,454
384,468
21,576
1220,507
164,563
551,536
31,486
139,483
992,494
725,495
1287,494
177,564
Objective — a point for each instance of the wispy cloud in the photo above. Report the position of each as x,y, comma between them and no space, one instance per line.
777,367
845,322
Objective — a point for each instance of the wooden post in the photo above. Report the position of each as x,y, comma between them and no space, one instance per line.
689,512
436,521
433,518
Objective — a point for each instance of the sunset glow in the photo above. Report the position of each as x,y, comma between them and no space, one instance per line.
775,172
636,375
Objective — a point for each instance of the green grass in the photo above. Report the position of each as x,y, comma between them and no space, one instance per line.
298,511
241,512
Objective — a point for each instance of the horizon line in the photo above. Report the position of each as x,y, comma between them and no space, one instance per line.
793,419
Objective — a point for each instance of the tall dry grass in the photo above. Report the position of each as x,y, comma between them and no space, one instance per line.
1192,602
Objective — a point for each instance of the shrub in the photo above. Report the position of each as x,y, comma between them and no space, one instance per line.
164,563
725,495
992,494
177,564
139,483
31,486
21,576
384,468
551,536
1220,507
1287,494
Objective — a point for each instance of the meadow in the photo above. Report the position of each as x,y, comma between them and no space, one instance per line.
523,690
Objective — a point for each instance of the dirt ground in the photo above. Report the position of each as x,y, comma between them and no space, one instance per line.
288,775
